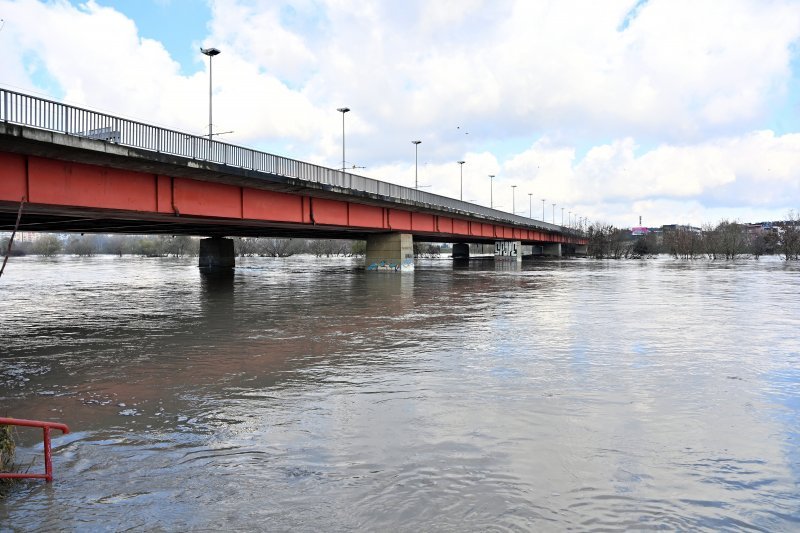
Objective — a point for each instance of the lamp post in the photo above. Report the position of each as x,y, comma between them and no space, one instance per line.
343,110
513,200
210,52
569,219
416,145
554,213
530,205
491,191
542,209
461,165
562,216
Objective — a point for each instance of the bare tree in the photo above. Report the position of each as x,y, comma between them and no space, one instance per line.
82,245
730,239
328,247
789,240
608,242
683,242
47,245
279,247
426,249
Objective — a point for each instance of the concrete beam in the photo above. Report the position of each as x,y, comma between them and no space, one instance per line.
392,252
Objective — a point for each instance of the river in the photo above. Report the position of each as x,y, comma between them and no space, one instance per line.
306,394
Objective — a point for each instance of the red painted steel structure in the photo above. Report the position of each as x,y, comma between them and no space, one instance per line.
63,186
48,462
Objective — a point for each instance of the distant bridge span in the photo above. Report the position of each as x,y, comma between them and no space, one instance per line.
79,170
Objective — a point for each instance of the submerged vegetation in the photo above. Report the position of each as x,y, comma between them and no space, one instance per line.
6,448
6,455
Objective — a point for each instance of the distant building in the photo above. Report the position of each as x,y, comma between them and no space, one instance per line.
666,228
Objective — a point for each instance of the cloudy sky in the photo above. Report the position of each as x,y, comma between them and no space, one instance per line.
676,111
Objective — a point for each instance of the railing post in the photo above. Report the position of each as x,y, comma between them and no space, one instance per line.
48,460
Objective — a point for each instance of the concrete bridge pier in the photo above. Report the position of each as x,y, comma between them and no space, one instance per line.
391,252
217,254
508,251
582,249
552,250
461,251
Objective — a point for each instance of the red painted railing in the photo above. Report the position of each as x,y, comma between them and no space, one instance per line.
48,463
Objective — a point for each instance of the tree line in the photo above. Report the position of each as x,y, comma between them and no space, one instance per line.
725,240
52,244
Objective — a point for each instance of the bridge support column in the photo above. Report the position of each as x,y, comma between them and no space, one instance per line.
390,252
508,250
581,249
217,254
552,250
461,251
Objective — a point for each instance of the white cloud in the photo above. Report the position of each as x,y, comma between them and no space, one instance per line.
753,174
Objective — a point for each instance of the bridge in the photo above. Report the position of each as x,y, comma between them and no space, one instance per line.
78,170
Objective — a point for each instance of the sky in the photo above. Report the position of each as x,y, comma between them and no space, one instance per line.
675,111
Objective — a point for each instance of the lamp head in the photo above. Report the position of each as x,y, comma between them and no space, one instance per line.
210,52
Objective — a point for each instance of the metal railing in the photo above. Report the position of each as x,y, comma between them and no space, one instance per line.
48,461
26,110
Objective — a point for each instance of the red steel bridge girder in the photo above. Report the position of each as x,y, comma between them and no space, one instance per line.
74,189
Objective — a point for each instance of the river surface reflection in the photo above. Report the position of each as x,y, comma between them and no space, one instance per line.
309,395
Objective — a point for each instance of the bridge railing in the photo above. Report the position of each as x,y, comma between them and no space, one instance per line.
27,110
47,427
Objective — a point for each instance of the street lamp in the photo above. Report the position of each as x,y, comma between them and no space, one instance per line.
530,205
343,110
210,52
513,200
416,145
569,219
461,165
562,216
491,191
542,209
554,213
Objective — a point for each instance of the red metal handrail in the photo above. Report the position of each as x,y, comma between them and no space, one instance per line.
46,427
